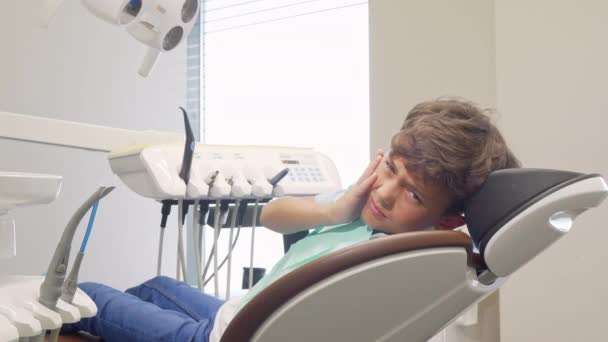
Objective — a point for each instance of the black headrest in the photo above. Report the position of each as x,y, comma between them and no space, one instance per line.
508,192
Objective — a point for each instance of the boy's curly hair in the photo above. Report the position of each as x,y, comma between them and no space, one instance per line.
453,143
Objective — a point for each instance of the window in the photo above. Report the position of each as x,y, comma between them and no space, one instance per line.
285,72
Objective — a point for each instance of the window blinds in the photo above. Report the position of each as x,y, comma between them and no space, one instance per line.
218,16
222,15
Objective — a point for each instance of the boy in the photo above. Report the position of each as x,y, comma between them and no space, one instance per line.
443,153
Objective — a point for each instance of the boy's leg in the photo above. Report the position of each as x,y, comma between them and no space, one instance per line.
170,294
123,317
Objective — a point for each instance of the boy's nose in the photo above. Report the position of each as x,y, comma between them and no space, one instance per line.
386,196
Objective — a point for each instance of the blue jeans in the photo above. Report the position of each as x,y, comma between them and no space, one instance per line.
161,309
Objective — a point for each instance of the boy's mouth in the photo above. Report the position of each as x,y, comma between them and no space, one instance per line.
375,209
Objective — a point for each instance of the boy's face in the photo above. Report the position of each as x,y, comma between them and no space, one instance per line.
401,202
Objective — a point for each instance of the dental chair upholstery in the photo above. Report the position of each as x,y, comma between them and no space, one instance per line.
407,287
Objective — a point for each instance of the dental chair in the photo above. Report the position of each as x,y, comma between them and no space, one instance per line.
407,287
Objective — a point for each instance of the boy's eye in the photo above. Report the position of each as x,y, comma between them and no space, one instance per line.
390,166
414,196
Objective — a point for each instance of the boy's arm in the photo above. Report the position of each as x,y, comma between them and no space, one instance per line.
292,214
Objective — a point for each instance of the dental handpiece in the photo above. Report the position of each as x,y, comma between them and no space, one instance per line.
260,187
50,289
219,187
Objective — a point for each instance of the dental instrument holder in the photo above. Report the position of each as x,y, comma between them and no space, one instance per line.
245,213
50,289
21,299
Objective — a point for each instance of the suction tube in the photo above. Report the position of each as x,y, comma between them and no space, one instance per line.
50,289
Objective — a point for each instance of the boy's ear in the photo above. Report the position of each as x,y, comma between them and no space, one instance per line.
449,222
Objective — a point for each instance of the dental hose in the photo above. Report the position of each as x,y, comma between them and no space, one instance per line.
197,250
203,210
231,246
37,338
165,212
236,238
216,234
54,337
224,211
181,259
253,222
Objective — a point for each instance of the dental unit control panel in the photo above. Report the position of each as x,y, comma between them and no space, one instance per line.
221,171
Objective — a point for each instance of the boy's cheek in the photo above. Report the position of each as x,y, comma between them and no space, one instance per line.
366,215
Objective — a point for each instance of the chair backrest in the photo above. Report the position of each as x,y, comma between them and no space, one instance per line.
518,213
406,287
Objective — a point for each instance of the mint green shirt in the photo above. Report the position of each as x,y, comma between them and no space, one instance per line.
318,243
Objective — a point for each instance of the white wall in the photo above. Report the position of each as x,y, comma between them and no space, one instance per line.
547,75
552,72
420,50
85,70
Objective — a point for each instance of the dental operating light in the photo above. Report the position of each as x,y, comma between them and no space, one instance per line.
159,24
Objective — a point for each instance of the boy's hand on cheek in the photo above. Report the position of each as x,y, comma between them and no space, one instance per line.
371,167
348,207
